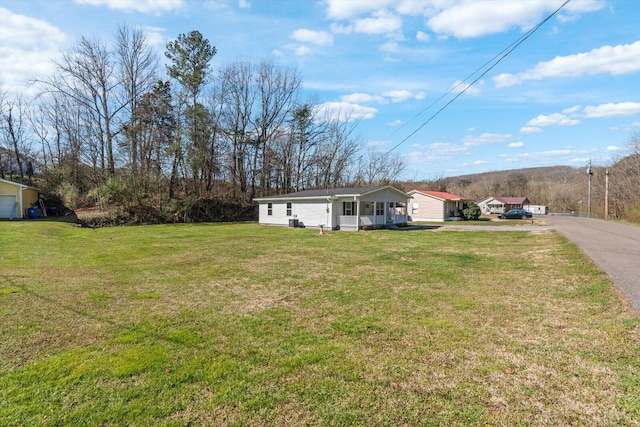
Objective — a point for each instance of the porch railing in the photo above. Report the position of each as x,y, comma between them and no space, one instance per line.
350,222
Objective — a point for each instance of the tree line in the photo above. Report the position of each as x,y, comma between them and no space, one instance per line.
183,142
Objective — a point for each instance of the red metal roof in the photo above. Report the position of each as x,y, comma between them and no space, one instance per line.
440,195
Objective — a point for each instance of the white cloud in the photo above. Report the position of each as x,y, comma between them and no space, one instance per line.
555,119
341,29
340,9
519,144
423,37
27,49
458,86
155,36
540,157
447,148
345,111
390,46
571,110
615,60
613,148
395,123
382,22
244,4
403,95
363,98
485,139
480,162
530,129
470,18
153,7
303,50
319,38
612,110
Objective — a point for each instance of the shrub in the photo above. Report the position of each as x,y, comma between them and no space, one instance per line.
471,211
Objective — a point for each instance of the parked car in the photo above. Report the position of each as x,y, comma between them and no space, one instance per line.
516,214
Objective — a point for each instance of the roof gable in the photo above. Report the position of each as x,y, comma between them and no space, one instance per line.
17,184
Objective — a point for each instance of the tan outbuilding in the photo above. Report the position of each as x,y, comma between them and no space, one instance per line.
15,199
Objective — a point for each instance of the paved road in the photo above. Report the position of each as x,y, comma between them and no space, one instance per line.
615,248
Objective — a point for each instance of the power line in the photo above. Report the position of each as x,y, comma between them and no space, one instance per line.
493,62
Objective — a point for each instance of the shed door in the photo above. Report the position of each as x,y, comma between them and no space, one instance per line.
7,204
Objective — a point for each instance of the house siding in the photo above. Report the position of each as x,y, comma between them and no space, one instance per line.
308,213
327,210
429,209
29,196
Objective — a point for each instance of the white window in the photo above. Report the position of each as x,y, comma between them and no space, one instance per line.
288,208
348,208
269,208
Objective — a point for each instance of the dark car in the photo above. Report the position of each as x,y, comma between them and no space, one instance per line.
516,214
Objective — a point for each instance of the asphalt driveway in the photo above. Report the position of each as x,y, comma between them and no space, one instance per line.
614,247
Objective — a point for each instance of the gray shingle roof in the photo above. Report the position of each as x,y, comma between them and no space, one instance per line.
326,192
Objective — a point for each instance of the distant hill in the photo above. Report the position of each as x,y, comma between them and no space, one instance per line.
551,171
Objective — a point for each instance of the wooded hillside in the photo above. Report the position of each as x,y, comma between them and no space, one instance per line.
561,188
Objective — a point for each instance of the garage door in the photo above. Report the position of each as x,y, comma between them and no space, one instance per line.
8,206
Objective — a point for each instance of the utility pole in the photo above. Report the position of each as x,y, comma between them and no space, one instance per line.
606,194
590,173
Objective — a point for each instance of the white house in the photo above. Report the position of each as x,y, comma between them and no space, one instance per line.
500,204
435,206
336,208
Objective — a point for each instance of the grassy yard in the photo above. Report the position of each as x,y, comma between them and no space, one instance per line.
238,324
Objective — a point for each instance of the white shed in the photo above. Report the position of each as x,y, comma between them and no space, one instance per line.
336,208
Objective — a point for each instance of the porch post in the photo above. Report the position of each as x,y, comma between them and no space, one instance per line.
375,219
357,213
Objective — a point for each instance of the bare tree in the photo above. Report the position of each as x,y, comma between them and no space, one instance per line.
137,68
277,88
15,133
87,75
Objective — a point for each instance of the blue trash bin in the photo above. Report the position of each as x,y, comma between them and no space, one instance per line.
33,213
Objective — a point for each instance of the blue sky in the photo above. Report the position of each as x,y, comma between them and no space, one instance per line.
568,94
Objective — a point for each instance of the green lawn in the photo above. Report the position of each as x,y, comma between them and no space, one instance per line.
240,324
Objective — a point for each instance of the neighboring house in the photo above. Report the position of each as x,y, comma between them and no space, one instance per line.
15,199
435,206
499,204
336,208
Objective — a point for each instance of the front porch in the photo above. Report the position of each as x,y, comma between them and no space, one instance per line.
361,215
